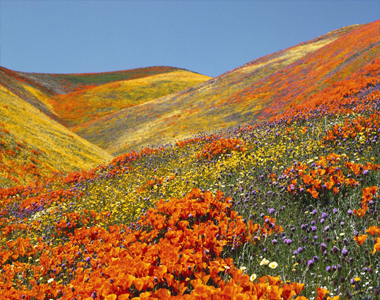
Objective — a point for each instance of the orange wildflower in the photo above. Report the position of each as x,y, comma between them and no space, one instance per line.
313,192
376,247
373,230
298,287
321,293
360,239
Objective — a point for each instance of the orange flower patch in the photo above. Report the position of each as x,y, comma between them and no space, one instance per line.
360,239
175,251
221,146
327,173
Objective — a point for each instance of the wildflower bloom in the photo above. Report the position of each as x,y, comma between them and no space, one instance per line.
264,262
273,265
360,239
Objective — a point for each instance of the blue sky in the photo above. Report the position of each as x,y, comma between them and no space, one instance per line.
209,37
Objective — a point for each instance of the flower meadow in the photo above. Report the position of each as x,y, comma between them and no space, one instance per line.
283,209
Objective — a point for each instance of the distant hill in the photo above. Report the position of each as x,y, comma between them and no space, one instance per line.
37,109
255,91
92,103
71,101
33,146
67,83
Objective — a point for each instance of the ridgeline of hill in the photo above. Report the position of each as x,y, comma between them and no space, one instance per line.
257,90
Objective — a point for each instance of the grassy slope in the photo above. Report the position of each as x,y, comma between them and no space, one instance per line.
29,90
34,145
208,106
85,106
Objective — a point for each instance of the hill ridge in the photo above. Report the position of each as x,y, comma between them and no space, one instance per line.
206,99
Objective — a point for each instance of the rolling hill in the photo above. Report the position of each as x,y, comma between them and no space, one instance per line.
257,90
92,103
84,97
35,106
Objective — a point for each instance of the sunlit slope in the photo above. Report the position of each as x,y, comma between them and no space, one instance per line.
305,80
29,90
32,145
214,105
84,106
57,94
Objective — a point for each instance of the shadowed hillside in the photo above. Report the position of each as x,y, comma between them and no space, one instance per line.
256,90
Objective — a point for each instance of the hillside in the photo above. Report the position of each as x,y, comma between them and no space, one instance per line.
286,209
241,95
38,102
39,89
92,103
30,91
33,146
68,83
73,99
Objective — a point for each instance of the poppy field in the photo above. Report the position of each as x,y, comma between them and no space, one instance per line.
282,208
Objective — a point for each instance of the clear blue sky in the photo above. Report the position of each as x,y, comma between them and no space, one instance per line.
209,37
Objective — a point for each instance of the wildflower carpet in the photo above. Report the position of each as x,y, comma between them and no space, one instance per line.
284,208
